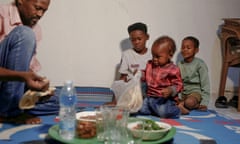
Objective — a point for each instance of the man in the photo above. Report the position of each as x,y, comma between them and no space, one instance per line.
19,34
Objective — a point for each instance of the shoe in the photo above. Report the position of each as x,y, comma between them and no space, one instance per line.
233,101
221,102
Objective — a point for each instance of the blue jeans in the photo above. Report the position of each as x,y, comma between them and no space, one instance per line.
165,108
16,52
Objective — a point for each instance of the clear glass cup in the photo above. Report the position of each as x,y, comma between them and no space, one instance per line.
115,121
100,125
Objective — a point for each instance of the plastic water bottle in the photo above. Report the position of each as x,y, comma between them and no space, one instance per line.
67,113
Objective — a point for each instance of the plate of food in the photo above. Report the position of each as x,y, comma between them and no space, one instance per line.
53,132
89,117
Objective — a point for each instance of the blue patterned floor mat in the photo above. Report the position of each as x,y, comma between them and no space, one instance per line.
197,128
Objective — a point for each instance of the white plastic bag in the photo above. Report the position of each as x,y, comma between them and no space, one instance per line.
129,94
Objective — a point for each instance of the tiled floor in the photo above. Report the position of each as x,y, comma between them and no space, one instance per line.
230,112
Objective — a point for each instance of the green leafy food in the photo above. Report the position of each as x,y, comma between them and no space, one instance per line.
149,125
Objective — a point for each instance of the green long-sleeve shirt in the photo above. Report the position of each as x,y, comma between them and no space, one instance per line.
195,79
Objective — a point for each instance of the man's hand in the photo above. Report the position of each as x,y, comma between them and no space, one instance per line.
36,82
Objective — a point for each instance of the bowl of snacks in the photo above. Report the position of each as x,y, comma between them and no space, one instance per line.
152,130
86,124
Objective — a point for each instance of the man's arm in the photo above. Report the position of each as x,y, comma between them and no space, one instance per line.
33,81
1,25
9,75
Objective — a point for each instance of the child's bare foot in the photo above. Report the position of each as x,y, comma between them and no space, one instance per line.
202,108
183,110
21,119
33,120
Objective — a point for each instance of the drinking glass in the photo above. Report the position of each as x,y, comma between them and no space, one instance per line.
115,121
100,124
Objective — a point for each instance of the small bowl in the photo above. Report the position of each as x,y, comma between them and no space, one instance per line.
85,113
86,125
151,134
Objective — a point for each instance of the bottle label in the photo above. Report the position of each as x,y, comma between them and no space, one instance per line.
68,100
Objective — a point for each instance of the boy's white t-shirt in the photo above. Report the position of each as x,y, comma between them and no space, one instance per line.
131,61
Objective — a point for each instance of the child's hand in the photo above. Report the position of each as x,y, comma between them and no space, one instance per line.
135,71
166,92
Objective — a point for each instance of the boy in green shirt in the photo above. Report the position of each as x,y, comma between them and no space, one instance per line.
194,72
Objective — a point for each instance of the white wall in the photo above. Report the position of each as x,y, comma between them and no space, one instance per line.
83,39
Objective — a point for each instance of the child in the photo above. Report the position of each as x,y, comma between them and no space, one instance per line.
163,81
194,72
135,58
